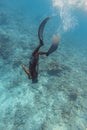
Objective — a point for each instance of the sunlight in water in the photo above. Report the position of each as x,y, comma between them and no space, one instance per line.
66,8
76,3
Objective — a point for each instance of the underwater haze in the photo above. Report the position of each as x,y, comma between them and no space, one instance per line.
59,100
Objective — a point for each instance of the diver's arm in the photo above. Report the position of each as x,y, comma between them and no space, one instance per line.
26,70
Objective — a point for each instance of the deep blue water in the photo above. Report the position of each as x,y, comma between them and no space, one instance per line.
59,100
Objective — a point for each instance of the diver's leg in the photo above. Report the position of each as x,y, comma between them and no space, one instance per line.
41,29
26,71
42,53
41,42
36,49
40,34
54,45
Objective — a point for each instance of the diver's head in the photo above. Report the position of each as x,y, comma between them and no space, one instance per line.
35,80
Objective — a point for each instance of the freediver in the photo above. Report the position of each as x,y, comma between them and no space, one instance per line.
32,72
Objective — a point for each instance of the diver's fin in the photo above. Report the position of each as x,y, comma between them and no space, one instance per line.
41,28
54,45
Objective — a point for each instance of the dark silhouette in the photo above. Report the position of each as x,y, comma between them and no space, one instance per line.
32,72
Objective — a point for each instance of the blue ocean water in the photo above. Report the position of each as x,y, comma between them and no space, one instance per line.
59,100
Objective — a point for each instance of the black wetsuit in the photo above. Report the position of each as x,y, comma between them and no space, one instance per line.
33,63
33,67
32,72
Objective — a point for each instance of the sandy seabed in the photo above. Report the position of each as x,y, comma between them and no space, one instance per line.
59,100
